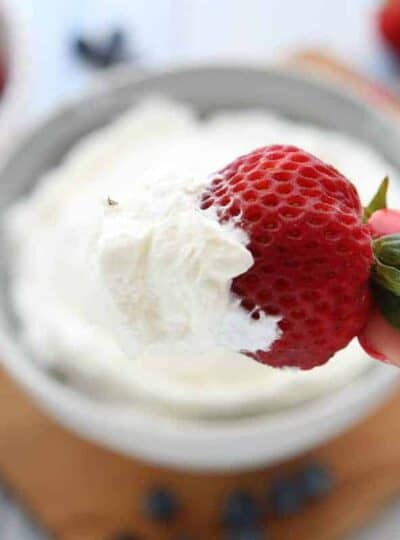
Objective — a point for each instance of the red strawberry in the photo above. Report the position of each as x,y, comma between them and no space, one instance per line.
380,338
312,252
389,24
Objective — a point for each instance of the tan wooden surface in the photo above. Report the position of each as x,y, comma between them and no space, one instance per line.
82,492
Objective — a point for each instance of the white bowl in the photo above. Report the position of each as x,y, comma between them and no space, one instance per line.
215,443
16,49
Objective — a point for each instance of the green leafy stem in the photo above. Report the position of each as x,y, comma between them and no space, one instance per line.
385,275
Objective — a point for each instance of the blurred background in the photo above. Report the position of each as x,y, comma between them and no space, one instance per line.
57,48
162,32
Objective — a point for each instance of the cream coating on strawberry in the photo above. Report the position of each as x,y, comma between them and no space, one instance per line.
312,253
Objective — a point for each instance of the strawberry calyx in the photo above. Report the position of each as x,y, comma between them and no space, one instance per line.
378,201
385,274
385,277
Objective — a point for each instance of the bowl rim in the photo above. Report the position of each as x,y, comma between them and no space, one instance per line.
59,398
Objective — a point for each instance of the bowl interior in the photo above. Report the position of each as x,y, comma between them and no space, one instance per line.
210,89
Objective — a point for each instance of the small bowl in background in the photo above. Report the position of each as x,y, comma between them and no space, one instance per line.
15,75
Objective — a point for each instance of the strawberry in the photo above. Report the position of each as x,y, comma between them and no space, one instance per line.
312,252
380,338
389,24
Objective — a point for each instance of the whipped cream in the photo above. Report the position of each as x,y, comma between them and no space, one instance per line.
168,267
123,284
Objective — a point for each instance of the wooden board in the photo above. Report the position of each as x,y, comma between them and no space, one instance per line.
82,492
79,491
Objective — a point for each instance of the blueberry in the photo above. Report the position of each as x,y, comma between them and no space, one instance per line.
240,509
160,505
246,533
82,47
315,481
125,536
104,52
117,39
90,52
117,47
286,499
